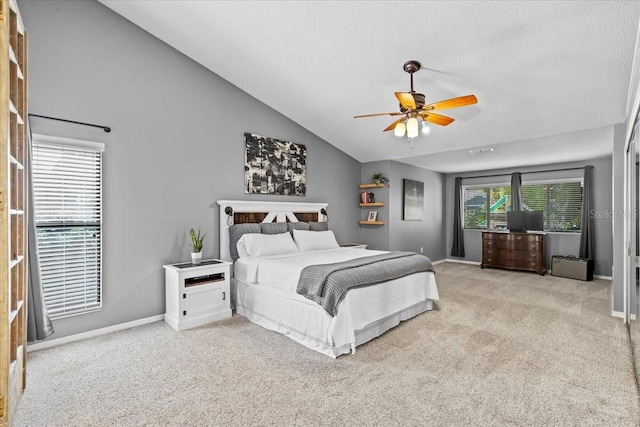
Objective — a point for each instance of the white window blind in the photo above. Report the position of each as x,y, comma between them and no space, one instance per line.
560,201
67,190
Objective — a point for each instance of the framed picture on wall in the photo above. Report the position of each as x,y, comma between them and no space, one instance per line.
273,166
413,200
373,215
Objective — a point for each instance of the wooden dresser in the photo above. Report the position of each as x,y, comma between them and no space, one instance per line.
513,251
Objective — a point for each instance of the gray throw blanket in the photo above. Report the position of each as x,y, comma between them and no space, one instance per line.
328,284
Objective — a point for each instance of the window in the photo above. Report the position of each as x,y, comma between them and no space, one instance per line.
482,202
560,201
67,191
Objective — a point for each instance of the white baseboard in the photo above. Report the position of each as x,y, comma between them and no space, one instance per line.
462,261
440,261
95,333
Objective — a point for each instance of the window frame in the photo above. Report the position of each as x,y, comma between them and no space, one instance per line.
97,147
491,184
488,187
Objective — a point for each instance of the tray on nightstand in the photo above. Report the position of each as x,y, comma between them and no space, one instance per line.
190,264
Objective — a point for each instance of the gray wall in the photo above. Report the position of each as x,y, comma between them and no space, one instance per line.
176,146
398,234
555,243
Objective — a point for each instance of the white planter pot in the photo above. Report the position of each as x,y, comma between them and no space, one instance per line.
196,257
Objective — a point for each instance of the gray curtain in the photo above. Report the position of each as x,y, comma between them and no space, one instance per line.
516,192
38,323
457,248
586,234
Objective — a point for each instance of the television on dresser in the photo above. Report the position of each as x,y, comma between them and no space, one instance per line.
523,221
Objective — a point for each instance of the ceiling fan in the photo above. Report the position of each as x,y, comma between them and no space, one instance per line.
413,108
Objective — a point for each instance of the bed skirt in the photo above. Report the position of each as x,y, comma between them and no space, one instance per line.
307,323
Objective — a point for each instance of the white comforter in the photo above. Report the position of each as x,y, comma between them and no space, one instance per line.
283,271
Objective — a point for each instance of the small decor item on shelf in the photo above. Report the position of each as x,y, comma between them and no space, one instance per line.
373,215
378,178
366,197
196,244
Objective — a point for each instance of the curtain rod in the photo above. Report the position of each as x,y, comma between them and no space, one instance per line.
105,128
508,174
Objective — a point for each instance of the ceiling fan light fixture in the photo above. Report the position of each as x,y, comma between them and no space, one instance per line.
399,129
425,128
412,127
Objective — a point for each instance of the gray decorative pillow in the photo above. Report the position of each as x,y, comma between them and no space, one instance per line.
318,226
273,227
298,226
235,233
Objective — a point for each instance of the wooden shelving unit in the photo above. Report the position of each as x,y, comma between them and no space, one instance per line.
372,185
372,204
371,222
13,241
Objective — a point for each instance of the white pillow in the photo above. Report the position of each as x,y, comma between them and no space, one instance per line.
314,240
253,245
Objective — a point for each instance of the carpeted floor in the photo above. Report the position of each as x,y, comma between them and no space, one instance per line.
501,349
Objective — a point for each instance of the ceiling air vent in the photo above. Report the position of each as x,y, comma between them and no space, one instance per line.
481,150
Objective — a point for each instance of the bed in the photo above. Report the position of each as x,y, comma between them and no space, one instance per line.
263,286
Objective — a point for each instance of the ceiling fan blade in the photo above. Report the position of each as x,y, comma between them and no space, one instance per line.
379,114
437,119
393,125
406,100
460,101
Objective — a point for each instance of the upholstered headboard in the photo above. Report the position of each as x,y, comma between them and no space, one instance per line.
242,211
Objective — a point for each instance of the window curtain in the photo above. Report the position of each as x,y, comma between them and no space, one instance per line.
586,233
516,191
457,248
39,324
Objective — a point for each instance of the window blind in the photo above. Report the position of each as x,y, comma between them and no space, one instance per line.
561,203
67,190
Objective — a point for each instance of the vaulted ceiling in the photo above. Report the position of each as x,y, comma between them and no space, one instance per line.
551,78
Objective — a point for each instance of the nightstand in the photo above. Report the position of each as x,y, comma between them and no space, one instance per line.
197,294
353,245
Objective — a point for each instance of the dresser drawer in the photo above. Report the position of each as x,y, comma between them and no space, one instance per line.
510,255
526,264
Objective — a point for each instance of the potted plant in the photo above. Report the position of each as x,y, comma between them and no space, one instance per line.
196,244
378,178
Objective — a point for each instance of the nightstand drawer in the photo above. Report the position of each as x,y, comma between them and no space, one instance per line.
206,279
203,300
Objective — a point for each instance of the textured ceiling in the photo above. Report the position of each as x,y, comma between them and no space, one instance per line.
547,75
